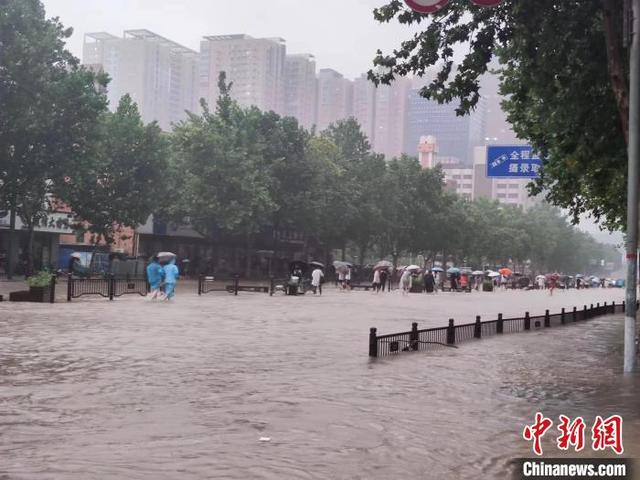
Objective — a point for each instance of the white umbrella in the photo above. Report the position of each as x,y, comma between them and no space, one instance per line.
477,272
493,274
541,277
412,267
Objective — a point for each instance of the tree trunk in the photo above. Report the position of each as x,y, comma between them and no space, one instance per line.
613,18
363,253
11,259
247,269
30,240
96,243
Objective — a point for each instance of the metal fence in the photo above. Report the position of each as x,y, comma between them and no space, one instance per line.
107,287
432,338
210,283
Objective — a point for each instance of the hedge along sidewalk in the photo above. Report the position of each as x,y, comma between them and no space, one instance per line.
449,336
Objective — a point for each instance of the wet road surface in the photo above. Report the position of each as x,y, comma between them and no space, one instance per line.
139,390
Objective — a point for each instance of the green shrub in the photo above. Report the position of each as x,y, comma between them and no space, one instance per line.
487,286
41,279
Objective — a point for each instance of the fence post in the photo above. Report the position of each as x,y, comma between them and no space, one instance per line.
200,284
547,319
591,311
272,286
373,342
613,307
236,284
597,312
584,312
604,308
500,324
527,321
623,306
413,338
451,332
52,290
111,286
562,316
69,287
575,314
477,330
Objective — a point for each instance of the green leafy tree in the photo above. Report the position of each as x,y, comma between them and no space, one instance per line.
49,108
227,182
124,180
564,75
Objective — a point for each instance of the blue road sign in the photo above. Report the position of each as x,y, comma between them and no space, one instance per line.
513,161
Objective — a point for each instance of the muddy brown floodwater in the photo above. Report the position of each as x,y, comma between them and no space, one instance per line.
132,389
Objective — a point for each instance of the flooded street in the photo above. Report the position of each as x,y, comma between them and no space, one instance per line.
139,390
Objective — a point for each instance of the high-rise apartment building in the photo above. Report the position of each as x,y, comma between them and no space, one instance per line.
254,65
335,98
159,74
300,88
391,117
364,105
498,131
456,136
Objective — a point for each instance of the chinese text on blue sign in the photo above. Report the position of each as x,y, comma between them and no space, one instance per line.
517,161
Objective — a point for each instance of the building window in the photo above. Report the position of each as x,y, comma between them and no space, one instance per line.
514,186
513,195
502,185
502,195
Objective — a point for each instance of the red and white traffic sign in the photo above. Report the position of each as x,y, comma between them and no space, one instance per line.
430,6
426,6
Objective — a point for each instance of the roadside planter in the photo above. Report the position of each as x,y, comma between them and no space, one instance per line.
41,289
487,286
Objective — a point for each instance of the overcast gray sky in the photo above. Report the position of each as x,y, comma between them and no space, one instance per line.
342,34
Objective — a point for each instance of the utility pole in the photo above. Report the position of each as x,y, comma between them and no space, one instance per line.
632,196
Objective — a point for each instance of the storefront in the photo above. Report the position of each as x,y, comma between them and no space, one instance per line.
45,242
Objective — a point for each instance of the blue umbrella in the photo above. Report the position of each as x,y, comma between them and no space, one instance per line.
437,269
453,270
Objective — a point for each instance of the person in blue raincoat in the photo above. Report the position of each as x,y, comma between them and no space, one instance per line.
171,275
155,275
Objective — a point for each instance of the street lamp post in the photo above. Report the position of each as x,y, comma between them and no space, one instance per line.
632,192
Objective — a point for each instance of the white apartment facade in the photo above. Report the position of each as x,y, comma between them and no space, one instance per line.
390,117
255,66
300,88
335,98
364,105
159,74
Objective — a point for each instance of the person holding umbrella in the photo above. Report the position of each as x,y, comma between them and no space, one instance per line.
316,277
405,281
171,275
553,282
376,280
155,274
429,282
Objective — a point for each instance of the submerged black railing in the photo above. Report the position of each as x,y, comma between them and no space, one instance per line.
210,283
449,336
107,287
